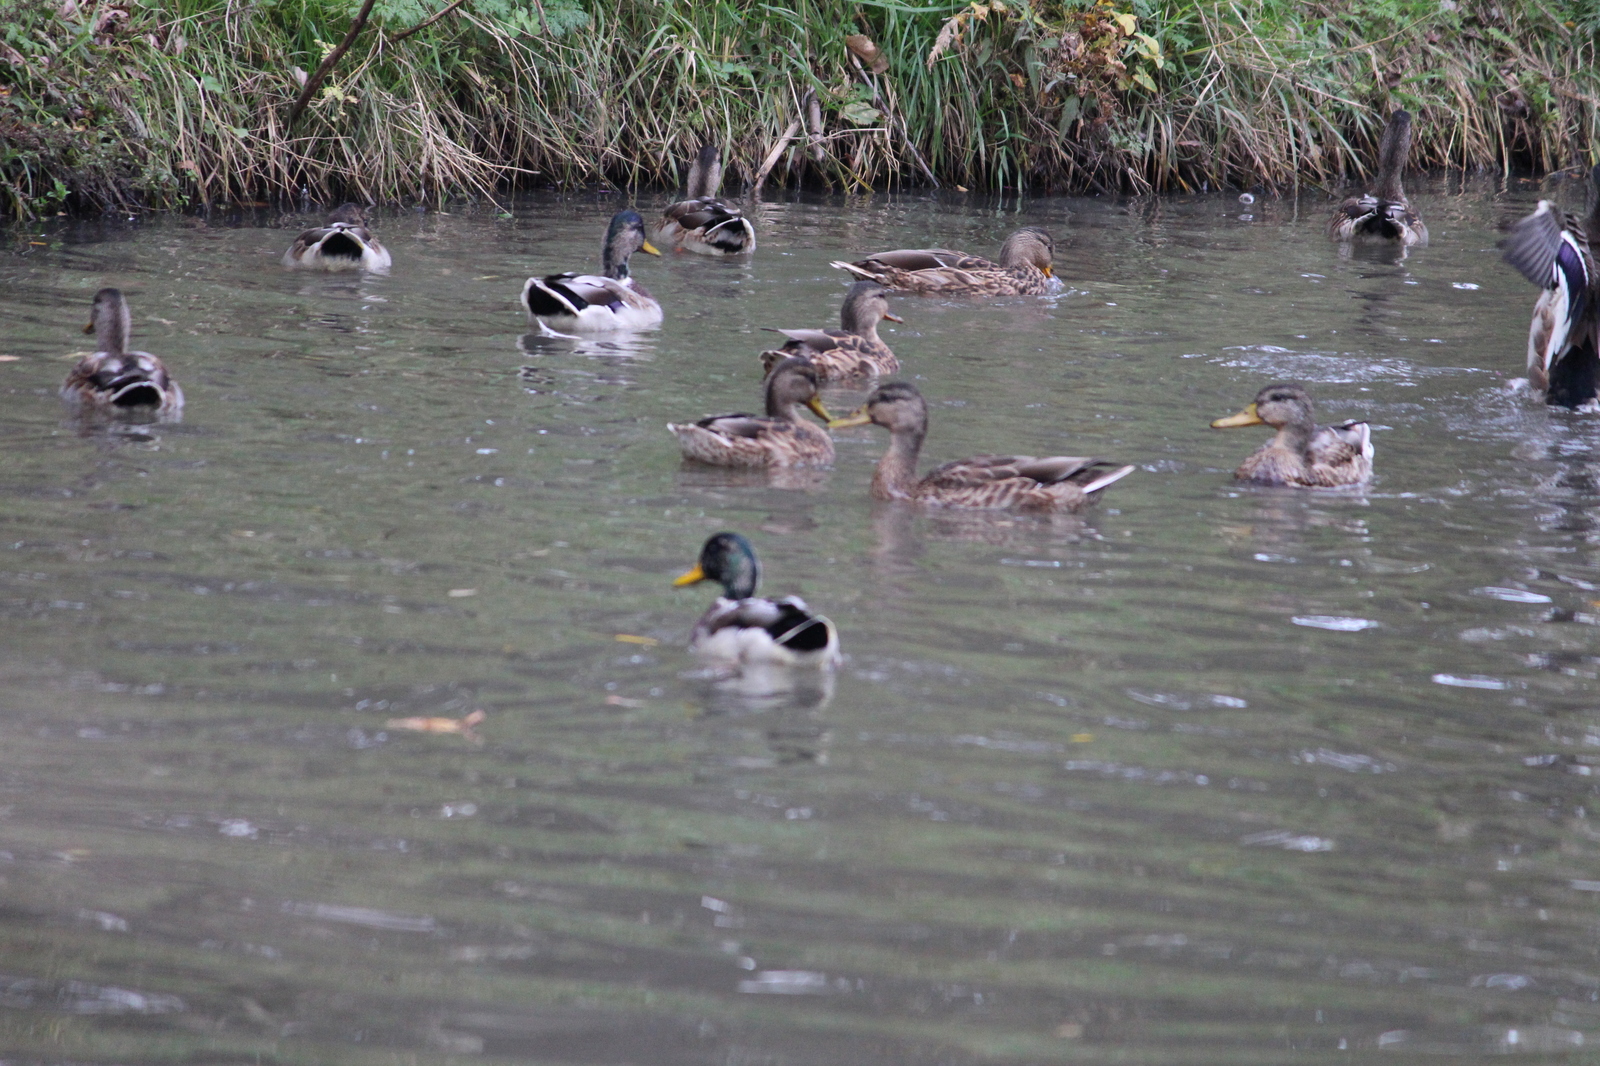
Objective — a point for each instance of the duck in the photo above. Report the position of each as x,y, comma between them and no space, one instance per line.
852,351
343,243
704,222
1024,269
596,303
1303,454
741,628
1554,251
989,482
780,438
1387,213
114,379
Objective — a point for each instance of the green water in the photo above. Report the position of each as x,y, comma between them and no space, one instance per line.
1211,774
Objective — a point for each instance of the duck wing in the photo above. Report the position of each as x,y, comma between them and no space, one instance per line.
570,293
1046,470
1536,241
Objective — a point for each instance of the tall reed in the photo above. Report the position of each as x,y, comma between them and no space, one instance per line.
161,102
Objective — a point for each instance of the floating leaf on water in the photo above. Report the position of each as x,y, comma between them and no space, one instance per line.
629,638
614,700
1082,738
463,726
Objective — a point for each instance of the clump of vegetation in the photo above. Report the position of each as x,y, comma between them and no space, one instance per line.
162,102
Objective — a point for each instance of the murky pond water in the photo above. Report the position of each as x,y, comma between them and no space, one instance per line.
1210,774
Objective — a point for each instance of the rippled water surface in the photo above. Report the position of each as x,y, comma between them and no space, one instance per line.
1211,774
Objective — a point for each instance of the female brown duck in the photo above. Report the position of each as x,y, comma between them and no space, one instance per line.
781,438
113,378
1024,269
855,350
1387,213
1302,454
1048,483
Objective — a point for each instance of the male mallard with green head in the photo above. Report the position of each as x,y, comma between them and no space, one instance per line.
742,628
115,379
704,222
595,303
1555,251
344,243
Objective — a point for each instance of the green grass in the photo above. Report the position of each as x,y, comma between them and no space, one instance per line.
166,102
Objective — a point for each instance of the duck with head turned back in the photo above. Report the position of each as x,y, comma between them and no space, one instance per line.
1025,269
780,438
344,243
1555,252
1385,214
704,222
596,303
115,379
1302,454
744,629
855,350
1025,482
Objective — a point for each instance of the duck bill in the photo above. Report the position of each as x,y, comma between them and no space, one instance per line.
1049,271
854,418
693,577
1247,417
649,248
892,317
815,403
89,328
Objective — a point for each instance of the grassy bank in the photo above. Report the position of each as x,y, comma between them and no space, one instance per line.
162,102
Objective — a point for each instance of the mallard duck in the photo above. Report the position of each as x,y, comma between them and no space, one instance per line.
781,438
704,222
1303,453
1553,250
856,350
740,628
594,303
1048,483
1387,213
1024,268
113,378
344,243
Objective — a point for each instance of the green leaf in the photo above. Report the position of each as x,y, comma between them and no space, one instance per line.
211,85
861,114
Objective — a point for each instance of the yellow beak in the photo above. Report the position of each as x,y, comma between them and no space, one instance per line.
692,577
815,403
648,247
858,417
1049,271
892,317
1247,417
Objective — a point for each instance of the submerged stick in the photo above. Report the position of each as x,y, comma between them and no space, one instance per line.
314,82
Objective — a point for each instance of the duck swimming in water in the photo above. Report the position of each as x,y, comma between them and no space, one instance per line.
1024,269
1386,213
780,438
852,351
704,222
744,629
115,379
344,243
1302,454
597,303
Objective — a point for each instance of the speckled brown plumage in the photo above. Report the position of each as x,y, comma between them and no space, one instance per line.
852,352
1386,213
1301,454
780,438
114,379
1024,269
991,482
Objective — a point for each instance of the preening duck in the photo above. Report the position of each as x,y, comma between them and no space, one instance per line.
114,379
1553,250
1024,269
1387,213
595,303
741,628
704,222
1026,482
1302,454
780,438
344,243
855,350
